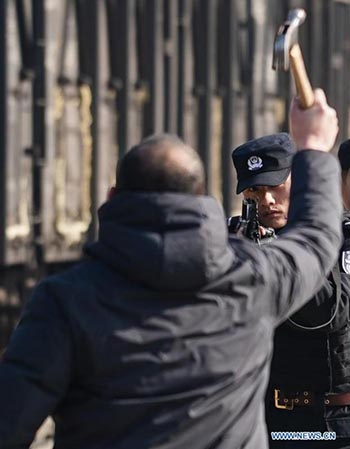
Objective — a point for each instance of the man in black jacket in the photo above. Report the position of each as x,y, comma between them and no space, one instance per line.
162,338
310,371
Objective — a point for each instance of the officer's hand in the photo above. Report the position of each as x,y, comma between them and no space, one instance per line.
262,231
315,128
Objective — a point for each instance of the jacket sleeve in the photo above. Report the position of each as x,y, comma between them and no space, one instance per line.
291,269
331,302
34,370
325,307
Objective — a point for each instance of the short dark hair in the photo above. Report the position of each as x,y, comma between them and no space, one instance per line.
159,163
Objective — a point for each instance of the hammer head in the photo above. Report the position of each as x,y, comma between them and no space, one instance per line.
286,37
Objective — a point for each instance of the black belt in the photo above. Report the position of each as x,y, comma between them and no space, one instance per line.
287,401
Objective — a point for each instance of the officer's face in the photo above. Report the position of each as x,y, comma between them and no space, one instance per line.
273,203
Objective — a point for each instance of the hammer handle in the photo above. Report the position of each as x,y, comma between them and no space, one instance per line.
304,89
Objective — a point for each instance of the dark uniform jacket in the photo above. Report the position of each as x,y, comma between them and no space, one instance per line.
163,338
312,348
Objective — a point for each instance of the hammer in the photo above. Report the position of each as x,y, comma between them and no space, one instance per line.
286,51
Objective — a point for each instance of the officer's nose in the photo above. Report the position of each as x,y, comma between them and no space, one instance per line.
267,199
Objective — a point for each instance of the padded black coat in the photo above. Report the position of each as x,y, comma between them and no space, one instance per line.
162,339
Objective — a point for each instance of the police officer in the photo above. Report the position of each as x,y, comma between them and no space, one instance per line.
344,159
310,372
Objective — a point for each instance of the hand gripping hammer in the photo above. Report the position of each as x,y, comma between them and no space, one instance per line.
286,52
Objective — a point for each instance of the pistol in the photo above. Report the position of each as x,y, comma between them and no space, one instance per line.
248,223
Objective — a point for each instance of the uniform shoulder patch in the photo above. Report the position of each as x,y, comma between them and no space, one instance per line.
345,261
346,228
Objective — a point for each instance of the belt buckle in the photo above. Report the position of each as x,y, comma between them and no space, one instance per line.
279,405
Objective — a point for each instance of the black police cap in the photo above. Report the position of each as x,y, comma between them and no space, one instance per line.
265,161
344,155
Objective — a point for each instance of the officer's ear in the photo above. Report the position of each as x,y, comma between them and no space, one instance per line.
112,192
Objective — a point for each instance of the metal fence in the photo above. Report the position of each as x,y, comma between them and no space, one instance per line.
83,80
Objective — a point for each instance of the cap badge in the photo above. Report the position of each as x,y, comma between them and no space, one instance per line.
254,163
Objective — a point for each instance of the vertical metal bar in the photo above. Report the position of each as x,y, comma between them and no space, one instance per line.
316,43
335,87
62,78
340,65
94,8
184,22
86,33
114,83
124,98
246,53
87,14
25,31
142,49
3,129
347,71
306,32
284,78
330,78
170,65
326,43
250,91
153,111
228,59
324,20
121,31
38,120
205,83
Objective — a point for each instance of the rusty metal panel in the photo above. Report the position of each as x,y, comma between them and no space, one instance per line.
66,219
109,72
71,128
16,132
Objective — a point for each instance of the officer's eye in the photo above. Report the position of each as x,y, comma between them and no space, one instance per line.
252,189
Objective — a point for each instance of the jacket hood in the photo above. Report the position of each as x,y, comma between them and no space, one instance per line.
164,240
